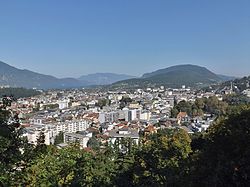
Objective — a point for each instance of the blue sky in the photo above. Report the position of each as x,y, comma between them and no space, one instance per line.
71,38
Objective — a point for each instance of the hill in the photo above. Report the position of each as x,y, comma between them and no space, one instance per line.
18,92
175,76
14,77
226,78
103,78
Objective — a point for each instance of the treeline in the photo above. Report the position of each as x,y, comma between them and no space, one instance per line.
171,157
18,92
211,105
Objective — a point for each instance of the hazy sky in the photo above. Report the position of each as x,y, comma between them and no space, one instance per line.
75,37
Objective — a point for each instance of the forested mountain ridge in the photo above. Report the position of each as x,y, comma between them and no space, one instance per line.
18,92
104,78
14,77
175,76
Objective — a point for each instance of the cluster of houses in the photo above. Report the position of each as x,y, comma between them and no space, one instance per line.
77,114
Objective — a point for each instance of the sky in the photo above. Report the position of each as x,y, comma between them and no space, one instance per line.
73,38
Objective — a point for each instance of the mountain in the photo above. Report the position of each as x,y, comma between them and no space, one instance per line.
103,78
226,77
175,76
14,77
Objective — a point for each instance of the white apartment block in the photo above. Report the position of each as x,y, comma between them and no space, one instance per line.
72,126
33,132
108,117
63,104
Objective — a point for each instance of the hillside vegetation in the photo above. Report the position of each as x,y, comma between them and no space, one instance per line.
175,77
18,92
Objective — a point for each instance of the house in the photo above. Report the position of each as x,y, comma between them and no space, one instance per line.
63,104
125,132
182,117
33,132
246,92
82,138
150,129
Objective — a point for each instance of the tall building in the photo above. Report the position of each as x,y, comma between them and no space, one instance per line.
108,117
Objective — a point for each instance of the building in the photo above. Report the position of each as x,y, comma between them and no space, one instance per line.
146,115
117,135
108,117
81,138
34,131
63,104
182,117
72,126
131,115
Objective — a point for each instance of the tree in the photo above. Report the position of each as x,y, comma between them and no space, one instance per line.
182,106
59,138
224,157
160,160
103,102
93,143
126,99
174,112
95,169
199,102
215,106
11,143
56,167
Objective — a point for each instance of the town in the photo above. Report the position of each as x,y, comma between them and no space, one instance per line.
107,117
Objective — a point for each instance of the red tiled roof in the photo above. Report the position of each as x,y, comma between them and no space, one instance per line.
150,128
181,114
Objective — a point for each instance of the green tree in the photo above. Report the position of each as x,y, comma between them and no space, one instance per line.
224,157
160,161
95,169
174,112
215,106
199,102
126,99
11,143
93,143
182,106
103,102
56,167
59,138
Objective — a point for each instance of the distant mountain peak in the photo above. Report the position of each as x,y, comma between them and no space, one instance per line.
104,78
175,76
14,77
180,67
